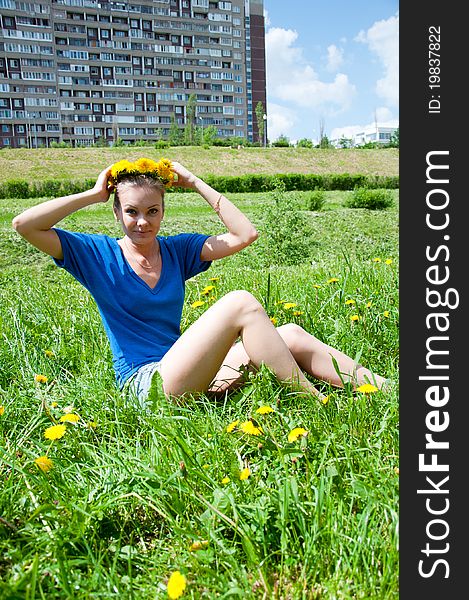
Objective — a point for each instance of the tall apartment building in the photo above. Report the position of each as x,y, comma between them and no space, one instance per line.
80,71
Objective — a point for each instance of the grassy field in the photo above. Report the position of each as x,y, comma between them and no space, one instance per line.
133,497
81,163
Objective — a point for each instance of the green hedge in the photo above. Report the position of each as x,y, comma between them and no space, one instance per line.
20,188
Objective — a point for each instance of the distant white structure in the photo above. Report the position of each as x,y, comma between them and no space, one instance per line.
369,134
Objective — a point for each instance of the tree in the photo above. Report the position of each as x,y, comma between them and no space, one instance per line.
345,142
175,137
260,112
210,133
394,141
324,142
304,143
191,108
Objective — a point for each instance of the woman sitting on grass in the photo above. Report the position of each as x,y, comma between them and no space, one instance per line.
138,283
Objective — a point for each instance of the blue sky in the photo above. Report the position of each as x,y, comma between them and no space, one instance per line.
331,65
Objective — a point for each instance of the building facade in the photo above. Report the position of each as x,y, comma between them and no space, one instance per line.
86,71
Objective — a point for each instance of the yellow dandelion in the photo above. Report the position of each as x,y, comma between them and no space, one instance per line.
55,432
388,261
204,293
332,280
164,169
377,260
49,353
176,585
274,320
367,388
280,302
396,470
208,288
231,426
198,545
70,418
44,463
348,302
214,278
316,285
212,298
245,473
91,425
225,480
2,410
40,379
146,165
249,428
197,303
354,317
119,168
264,410
325,400
386,313
54,404
289,305
368,305
206,466
297,313
296,433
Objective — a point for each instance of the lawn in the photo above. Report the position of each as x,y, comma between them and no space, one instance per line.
82,163
133,497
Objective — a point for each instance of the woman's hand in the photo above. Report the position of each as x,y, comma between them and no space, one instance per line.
102,188
185,178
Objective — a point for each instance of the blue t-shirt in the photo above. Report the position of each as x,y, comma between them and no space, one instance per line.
141,323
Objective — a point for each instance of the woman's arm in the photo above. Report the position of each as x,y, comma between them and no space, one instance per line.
241,232
35,224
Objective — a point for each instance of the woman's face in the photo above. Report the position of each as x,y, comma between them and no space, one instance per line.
140,212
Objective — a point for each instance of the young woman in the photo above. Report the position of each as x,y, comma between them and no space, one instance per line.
138,284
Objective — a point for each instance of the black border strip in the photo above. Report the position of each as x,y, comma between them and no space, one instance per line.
433,297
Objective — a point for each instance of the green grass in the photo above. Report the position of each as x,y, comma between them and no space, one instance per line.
127,496
83,163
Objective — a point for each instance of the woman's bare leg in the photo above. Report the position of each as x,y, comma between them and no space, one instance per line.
315,357
195,359
312,355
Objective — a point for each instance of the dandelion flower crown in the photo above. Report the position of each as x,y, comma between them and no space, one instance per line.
161,170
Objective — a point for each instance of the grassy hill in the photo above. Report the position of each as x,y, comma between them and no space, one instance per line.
80,163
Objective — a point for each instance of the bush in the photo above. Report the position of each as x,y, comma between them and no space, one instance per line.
378,199
316,200
286,234
281,142
223,183
162,144
15,188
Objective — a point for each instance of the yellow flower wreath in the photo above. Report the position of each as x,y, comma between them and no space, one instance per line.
161,170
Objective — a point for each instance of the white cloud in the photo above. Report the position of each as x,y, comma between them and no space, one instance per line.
335,58
350,130
266,17
383,114
382,39
280,121
290,78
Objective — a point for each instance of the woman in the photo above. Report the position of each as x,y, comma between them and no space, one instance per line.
138,284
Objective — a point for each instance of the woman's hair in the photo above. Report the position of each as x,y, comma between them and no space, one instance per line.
138,181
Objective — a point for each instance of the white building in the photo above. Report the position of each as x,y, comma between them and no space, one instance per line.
368,135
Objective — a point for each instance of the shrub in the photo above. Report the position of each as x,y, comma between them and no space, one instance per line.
378,199
286,234
281,142
15,188
162,144
316,200
47,188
